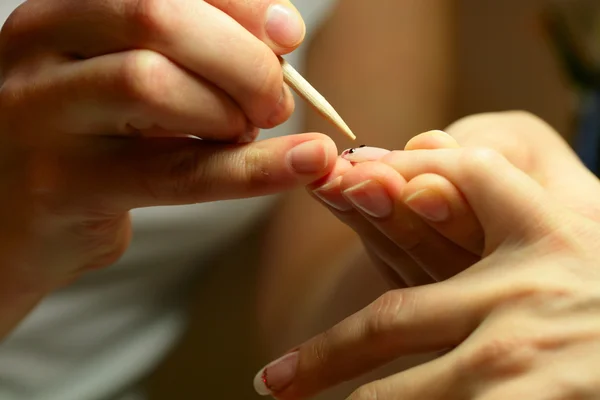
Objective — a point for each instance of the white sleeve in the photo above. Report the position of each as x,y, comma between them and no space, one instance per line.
7,7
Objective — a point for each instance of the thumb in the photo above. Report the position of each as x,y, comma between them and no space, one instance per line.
509,204
125,173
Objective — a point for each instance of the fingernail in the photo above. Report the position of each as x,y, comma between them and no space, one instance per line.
331,194
276,376
364,153
429,204
285,26
371,198
308,157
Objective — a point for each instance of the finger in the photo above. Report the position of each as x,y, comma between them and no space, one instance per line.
277,23
534,147
394,263
438,202
122,93
445,209
387,271
376,191
432,140
507,202
194,34
435,380
427,140
406,321
140,172
460,375
388,253
432,197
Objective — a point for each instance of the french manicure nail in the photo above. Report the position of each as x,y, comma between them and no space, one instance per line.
276,376
331,194
308,157
364,153
285,26
371,198
429,204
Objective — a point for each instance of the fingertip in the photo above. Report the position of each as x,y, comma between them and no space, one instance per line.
284,27
435,139
314,156
439,202
427,200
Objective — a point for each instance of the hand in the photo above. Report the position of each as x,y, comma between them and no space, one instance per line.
86,88
523,323
420,229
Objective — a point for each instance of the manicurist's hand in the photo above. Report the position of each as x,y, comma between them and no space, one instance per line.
97,105
524,322
418,228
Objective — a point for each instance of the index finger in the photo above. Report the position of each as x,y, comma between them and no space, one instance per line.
211,41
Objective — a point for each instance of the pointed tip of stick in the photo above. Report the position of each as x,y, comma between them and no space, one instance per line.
314,98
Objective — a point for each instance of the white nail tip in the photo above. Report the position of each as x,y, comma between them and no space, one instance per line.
363,154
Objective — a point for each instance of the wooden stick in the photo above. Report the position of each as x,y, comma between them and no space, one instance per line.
314,98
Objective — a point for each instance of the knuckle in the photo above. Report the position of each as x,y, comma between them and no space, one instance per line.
480,160
499,357
569,388
187,176
147,17
320,349
535,291
175,177
388,311
144,76
257,172
366,392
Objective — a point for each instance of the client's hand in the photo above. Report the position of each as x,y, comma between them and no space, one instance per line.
418,228
523,323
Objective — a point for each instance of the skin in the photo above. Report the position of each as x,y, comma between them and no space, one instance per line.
91,128
510,325
306,287
292,262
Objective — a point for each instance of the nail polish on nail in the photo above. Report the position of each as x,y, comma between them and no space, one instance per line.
308,157
276,376
285,26
331,194
364,153
371,198
429,204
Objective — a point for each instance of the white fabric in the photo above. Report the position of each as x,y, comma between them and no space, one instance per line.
98,337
